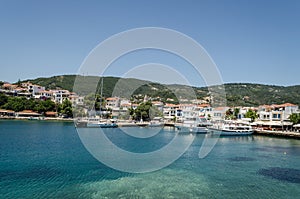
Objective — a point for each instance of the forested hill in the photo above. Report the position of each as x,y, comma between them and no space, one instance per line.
257,94
238,94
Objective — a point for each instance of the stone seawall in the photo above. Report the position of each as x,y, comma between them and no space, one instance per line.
287,134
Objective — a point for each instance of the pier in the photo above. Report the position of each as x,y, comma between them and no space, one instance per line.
286,134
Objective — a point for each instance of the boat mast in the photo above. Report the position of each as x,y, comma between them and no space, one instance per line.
101,92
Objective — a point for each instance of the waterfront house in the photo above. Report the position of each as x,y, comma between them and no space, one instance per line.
113,102
189,111
27,113
159,105
170,111
75,99
7,113
219,113
51,114
275,117
276,112
205,110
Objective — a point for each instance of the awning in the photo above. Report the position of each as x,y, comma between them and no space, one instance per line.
272,123
297,126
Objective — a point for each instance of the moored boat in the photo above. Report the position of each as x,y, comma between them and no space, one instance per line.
198,125
231,128
95,123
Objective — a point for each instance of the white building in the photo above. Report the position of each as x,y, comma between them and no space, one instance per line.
35,90
189,111
276,112
219,113
75,99
113,102
159,105
205,110
60,95
44,95
171,110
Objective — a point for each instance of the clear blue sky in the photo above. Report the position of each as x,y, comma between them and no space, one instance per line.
255,41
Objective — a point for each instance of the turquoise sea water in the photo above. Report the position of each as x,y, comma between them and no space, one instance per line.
40,159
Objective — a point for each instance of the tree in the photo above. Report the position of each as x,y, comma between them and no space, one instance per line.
31,104
3,99
89,101
251,114
295,118
174,119
142,111
229,114
16,104
19,83
78,112
236,112
66,108
43,106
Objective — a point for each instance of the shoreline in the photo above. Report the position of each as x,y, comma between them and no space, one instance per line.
38,119
281,134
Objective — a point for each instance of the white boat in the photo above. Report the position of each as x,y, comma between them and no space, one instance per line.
96,123
194,125
231,128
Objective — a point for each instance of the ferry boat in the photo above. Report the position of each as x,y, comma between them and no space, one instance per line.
231,128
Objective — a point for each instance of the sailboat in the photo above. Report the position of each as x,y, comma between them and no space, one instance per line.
97,122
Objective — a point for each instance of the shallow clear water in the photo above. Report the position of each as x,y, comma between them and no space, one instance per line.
40,159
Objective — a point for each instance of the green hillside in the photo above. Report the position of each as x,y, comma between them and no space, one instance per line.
256,94
238,94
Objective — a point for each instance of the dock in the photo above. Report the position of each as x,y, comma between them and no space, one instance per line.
286,134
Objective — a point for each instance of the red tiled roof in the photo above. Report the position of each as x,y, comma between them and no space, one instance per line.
287,104
220,108
6,111
51,113
204,105
112,98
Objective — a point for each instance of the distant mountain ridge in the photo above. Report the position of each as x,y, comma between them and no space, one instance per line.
237,94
